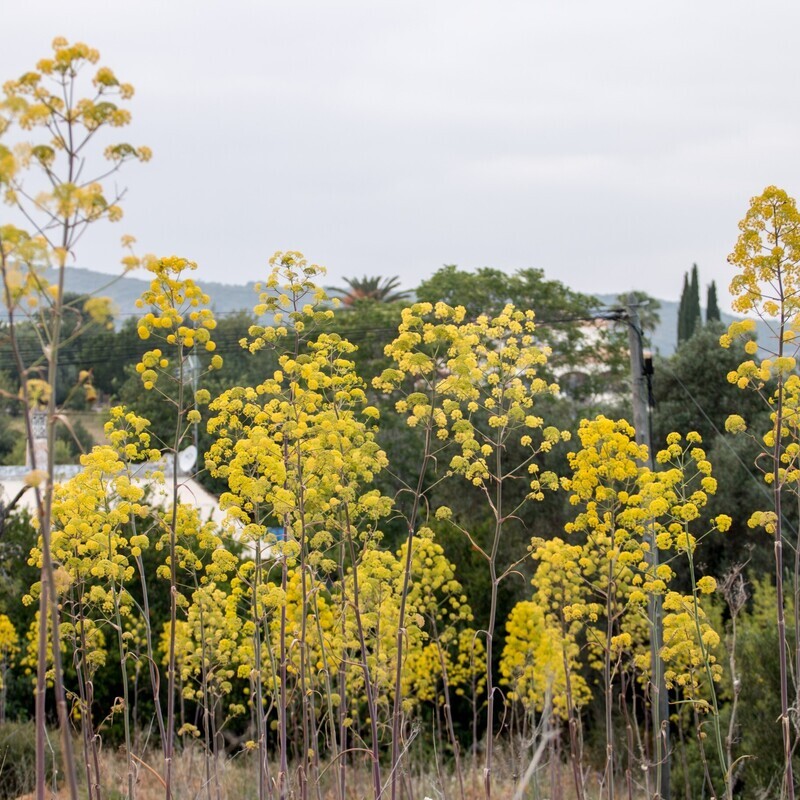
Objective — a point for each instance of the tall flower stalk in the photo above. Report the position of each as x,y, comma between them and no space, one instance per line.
767,284
475,383
69,198
179,320
297,449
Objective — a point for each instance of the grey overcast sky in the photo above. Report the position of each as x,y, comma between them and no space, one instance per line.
610,143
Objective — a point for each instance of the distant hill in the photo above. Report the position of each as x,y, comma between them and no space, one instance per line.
230,298
124,291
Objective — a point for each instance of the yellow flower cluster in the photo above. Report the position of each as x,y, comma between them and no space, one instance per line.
217,645
49,98
206,646
605,475
461,371
541,657
95,543
128,434
91,514
26,257
34,104
689,643
766,254
540,661
678,493
596,590
293,300
179,316
300,439
299,455
767,284
9,648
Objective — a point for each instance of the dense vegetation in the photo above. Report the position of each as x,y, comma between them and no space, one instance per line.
445,551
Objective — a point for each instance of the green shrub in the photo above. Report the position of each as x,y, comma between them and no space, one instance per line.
18,758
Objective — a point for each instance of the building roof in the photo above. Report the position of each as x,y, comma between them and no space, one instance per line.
190,492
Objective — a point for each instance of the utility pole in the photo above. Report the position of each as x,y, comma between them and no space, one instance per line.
641,371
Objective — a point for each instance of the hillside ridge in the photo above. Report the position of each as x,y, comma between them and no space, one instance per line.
229,298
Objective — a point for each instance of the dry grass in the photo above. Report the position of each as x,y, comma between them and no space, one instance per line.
237,782
422,778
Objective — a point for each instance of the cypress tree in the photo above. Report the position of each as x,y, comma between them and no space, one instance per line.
682,306
694,318
712,307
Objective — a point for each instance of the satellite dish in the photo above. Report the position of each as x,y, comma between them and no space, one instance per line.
187,458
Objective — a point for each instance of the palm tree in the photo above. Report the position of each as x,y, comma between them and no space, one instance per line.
381,290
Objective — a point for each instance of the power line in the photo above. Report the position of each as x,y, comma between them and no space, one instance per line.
230,344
